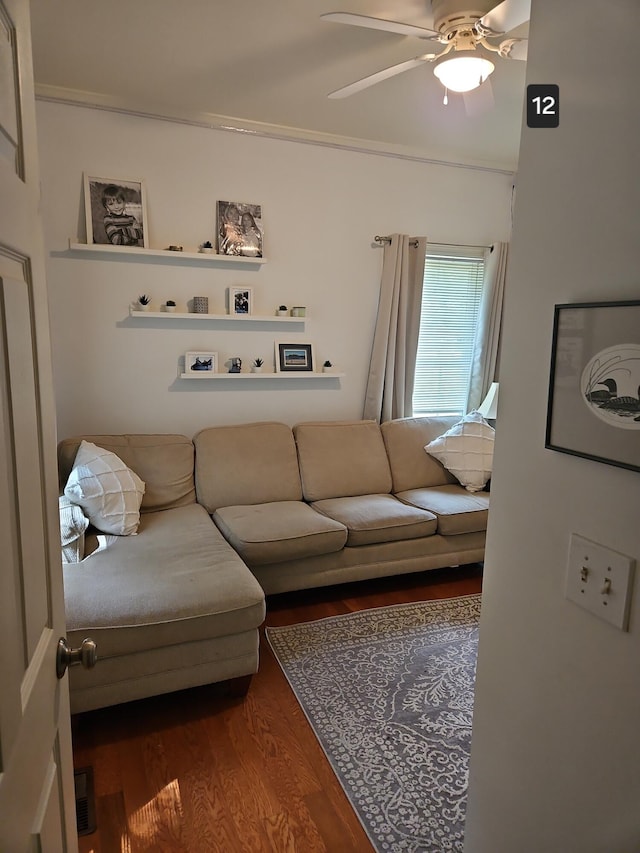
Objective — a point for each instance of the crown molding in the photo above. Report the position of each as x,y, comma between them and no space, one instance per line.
229,124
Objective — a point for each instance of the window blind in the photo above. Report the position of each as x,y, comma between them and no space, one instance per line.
451,294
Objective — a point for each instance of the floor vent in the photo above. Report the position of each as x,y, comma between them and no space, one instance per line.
85,803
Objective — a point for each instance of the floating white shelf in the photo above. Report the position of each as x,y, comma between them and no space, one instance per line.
164,254
173,315
285,375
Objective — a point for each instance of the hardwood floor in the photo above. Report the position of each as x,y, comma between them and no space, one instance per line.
202,771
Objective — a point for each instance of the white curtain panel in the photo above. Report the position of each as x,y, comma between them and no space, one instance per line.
486,350
393,358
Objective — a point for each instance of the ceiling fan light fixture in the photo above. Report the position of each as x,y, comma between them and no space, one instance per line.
464,71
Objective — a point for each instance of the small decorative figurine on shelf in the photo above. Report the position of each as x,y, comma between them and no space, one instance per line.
236,365
174,248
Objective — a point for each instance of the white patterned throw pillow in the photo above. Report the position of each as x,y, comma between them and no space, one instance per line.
466,450
73,524
109,493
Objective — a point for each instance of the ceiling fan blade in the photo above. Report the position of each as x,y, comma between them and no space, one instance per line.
506,16
480,100
379,76
379,24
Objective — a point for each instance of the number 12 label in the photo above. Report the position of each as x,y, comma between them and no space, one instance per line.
543,105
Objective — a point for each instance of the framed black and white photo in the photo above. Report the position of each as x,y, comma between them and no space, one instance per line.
116,211
294,358
200,363
239,228
240,301
594,387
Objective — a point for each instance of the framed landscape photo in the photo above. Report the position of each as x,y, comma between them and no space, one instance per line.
239,227
240,301
594,388
200,364
294,358
116,211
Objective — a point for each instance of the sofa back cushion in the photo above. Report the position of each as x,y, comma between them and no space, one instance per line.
411,466
246,464
163,462
340,459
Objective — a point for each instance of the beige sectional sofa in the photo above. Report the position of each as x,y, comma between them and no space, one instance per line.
180,603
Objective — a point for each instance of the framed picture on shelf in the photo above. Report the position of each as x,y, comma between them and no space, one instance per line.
294,358
239,227
594,386
201,363
116,211
240,301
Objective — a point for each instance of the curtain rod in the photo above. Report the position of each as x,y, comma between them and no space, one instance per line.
388,240
415,243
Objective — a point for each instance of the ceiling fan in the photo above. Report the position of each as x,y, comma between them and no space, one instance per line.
470,36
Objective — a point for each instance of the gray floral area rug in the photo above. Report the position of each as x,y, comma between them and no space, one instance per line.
389,695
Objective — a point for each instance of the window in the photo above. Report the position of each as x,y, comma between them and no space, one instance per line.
451,294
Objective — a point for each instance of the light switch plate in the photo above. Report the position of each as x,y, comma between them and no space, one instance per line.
600,580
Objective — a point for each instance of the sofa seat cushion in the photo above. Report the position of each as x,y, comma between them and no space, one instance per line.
378,518
177,581
282,530
457,509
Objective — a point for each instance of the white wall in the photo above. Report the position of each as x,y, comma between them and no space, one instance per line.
321,209
555,761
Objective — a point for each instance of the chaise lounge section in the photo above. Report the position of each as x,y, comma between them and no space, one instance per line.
173,606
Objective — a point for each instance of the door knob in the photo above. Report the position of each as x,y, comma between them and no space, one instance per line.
66,656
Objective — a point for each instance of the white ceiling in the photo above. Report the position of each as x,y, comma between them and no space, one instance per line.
269,65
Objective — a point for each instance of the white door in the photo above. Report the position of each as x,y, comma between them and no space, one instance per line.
37,804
